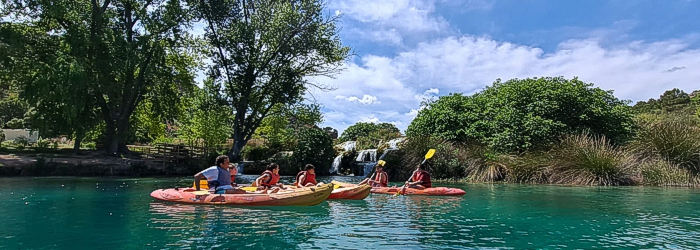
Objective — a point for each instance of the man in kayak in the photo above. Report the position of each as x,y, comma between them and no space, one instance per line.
306,178
269,179
378,179
219,177
420,178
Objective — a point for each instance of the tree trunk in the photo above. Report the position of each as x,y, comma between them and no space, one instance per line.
79,135
238,144
112,139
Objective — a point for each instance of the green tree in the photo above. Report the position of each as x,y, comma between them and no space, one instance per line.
281,126
207,117
523,114
363,129
263,52
121,45
314,147
674,101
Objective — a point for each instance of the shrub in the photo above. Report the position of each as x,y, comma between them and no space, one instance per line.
259,153
657,172
2,136
671,139
90,145
582,159
525,114
528,168
21,142
313,147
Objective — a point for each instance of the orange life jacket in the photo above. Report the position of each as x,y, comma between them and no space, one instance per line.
274,178
310,178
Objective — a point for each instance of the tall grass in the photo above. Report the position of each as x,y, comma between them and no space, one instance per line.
675,140
658,172
582,159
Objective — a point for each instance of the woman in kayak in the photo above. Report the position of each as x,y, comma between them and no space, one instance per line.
381,179
219,177
269,179
420,178
306,178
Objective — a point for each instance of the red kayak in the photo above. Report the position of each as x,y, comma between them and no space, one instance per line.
434,191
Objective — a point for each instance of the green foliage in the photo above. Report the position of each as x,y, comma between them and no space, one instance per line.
2,135
672,139
15,123
21,142
523,114
314,147
657,172
260,153
672,101
263,52
206,117
365,129
120,51
281,126
11,108
582,159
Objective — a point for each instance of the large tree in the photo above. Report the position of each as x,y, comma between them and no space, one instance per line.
263,52
120,47
522,114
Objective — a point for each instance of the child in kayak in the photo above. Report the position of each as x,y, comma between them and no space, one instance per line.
269,179
381,179
420,178
219,177
307,178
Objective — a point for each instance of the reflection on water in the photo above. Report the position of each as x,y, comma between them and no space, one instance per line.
60,213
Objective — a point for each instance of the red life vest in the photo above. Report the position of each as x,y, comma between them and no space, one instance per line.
310,178
378,182
274,178
423,176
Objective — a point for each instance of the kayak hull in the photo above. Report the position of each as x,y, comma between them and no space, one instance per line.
308,196
435,191
350,193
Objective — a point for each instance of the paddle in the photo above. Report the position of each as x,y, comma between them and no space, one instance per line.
429,155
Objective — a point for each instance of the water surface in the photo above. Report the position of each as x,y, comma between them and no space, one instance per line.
117,213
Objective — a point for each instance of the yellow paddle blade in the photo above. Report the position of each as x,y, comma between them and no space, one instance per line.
336,186
250,189
201,192
430,153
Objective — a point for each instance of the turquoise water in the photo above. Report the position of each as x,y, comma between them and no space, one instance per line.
82,213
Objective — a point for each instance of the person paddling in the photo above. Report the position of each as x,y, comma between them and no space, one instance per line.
306,178
219,177
378,179
269,179
420,178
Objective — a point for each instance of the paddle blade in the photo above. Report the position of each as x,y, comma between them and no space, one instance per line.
250,189
430,153
201,192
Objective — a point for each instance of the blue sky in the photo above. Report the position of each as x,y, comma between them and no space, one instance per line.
409,50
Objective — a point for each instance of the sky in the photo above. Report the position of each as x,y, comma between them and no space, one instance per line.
407,51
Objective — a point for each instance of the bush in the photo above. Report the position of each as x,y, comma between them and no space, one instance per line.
582,159
2,136
313,147
657,172
259,153
21,142
364,129
671,139
524,114
90,145
15,123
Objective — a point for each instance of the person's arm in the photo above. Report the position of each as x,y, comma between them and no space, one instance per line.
262,178
411,178
198,177
302,178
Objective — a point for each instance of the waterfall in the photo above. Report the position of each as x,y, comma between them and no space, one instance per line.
348,145
336,164
394,142
363,154
368,169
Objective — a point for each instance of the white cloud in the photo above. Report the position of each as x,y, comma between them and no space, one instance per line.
388,21
366,99
637,71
